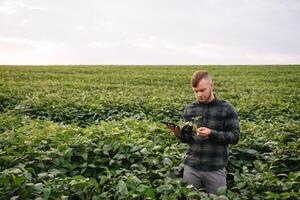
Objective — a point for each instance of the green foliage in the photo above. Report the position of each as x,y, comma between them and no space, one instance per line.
93,132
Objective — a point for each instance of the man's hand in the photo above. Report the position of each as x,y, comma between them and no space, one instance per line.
203,131
175,130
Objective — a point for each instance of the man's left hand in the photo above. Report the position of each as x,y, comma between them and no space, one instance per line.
203,131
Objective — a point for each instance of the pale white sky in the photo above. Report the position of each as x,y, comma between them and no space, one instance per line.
149,32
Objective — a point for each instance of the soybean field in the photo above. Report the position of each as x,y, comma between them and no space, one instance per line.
94,132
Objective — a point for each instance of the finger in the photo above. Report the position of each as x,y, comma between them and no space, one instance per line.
200,134
200,130
175,129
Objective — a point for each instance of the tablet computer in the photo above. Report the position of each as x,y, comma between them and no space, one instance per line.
170,124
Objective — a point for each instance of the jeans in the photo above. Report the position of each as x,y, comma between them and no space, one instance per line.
209,180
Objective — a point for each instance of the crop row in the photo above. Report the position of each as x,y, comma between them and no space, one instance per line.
94,132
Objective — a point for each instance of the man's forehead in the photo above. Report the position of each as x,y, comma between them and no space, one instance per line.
204,83
200,88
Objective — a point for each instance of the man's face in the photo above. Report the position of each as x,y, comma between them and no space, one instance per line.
203,91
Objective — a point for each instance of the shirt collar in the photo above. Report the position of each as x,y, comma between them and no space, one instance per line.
215,100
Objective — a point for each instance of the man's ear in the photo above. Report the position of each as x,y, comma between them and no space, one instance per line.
193,88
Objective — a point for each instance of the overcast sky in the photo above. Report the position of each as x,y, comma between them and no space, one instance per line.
149,32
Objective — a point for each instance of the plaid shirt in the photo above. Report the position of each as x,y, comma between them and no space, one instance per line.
211,153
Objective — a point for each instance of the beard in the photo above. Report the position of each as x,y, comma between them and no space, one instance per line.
208,98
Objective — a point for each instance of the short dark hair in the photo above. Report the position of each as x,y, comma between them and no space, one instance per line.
198,76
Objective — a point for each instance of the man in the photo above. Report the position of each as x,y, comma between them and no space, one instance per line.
217,127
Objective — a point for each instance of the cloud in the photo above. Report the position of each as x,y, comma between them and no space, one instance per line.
32,44
26,51
174,47
101,44
208,52
144,32
273,57
150,42
11,7
77,27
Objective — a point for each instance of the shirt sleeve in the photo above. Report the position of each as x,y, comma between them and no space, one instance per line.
231,133
185,115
